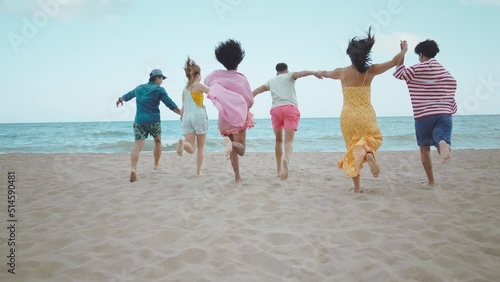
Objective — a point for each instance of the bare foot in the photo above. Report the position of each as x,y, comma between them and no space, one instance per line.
372,163
180,147
157,167
357,190
284,170
432,185
133,176
228,146
444,151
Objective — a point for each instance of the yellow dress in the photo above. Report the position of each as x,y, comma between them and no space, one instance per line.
358,123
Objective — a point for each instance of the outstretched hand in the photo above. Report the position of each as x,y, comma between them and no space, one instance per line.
120,101
318,75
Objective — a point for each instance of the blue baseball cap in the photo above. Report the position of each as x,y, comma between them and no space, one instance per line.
157,72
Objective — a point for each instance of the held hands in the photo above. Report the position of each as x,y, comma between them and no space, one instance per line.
318,74
403,45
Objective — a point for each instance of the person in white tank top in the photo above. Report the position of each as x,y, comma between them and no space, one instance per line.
194,119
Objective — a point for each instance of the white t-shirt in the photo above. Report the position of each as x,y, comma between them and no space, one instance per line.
282,89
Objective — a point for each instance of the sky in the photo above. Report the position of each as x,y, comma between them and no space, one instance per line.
69,60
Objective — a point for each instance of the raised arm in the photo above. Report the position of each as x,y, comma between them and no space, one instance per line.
299,74
334,74
402,61
260,89
377,69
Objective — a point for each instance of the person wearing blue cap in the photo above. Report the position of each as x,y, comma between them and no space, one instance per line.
147,118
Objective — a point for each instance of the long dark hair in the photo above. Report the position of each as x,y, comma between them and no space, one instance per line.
230,54
359,50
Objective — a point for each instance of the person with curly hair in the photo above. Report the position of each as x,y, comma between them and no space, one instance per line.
194,119
432,91
231,94
358,120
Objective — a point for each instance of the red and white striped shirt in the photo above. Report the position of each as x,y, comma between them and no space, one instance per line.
432,88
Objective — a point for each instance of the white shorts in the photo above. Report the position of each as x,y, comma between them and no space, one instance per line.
197,124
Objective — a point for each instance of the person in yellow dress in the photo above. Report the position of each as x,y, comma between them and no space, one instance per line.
358,120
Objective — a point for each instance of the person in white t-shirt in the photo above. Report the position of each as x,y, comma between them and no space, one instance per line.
285,113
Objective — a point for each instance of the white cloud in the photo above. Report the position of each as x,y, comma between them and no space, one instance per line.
389,43
480,2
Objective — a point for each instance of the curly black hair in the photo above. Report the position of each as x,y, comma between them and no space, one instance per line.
229,54
359,51
428,48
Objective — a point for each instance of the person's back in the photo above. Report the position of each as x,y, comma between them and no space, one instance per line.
432,88
357,107
282,88
222,82
194,110
193,103
148,97
148,100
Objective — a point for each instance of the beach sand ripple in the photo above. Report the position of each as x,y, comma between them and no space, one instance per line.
80,219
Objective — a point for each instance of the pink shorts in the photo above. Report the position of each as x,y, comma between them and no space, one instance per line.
286,116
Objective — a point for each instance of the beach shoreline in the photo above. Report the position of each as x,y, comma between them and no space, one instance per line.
79,218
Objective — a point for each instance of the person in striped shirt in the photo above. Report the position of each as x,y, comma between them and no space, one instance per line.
432,91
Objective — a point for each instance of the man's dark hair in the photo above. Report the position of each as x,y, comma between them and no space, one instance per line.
153,78
229,54
281,67
428,48
359,51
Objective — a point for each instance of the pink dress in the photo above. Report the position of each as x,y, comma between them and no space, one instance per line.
231,94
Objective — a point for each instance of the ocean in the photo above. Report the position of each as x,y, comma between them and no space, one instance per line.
314,135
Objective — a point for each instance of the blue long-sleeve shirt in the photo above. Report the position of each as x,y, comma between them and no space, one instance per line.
148,97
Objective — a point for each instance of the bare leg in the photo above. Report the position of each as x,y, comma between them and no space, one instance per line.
284,170
189,145
357,187
425,157
238,149
239,142
134,158
180,149
444,151
359,154
289,135
157,152
201,152
228,146
278,149
372,163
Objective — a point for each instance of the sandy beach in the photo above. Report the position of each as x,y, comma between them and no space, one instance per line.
80,219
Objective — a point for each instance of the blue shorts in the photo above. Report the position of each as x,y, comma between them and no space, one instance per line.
430,130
